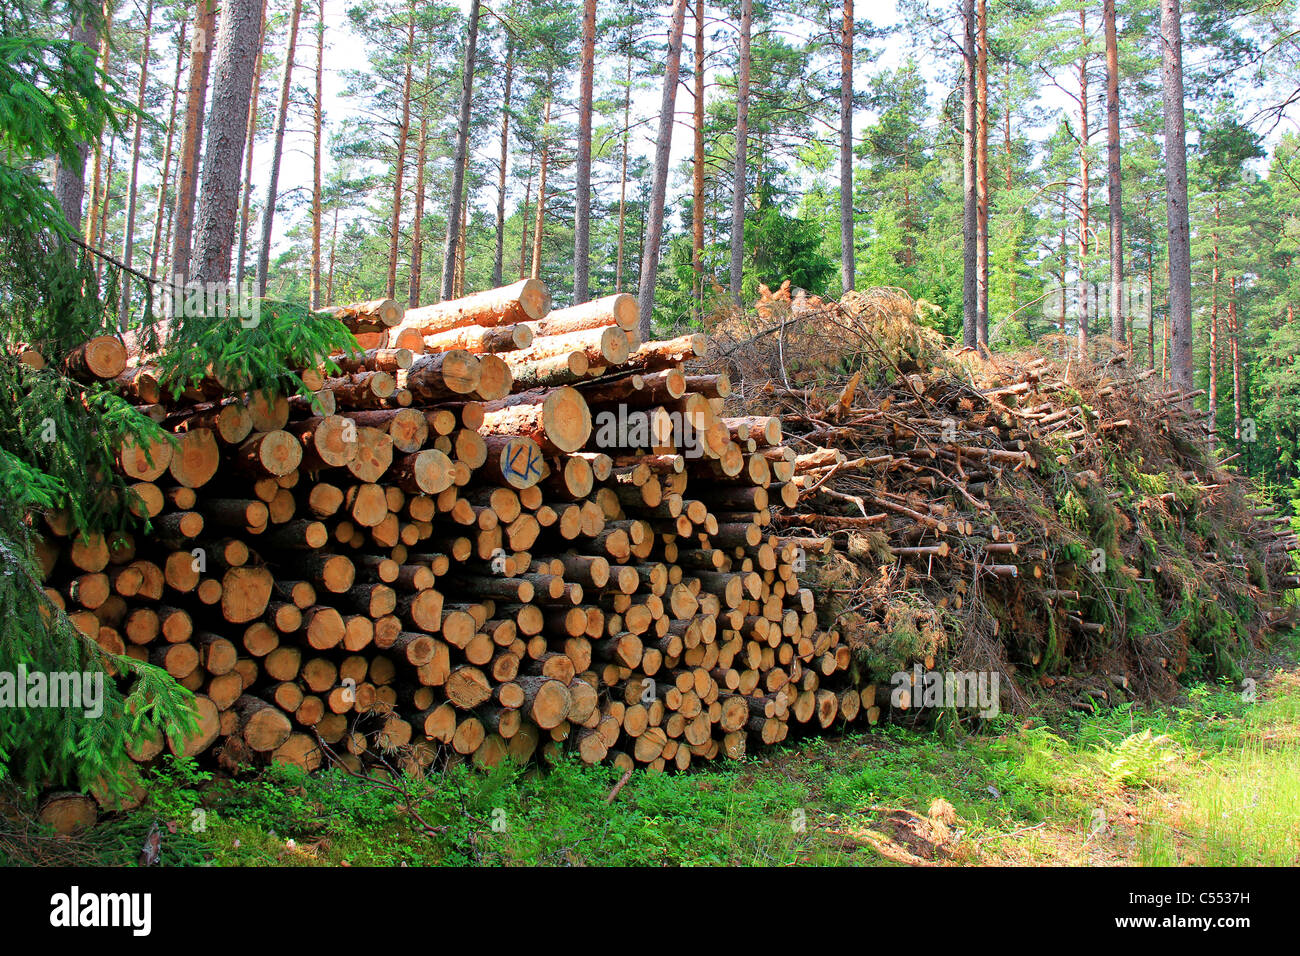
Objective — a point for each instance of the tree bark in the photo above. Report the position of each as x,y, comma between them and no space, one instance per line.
622,188
970,225
246,202
497,261
1180,251
70,178
982,176
417,228
582,172
92,210
231,92
742,142
1212,399
1085,187
462,148
1114,187
659,188
847,267
399,165
317,148
539,216
187,169
155,248
128,236
277,152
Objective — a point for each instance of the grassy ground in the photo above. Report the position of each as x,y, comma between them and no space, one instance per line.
1208,781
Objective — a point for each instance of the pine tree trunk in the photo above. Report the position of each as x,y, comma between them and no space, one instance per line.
105,200
128,237
334,236
232,88
1212,400
970,216
1235,344
462,155
277,152
1114,186
697,168
539,217
317,148
742,143
847,266
524,229
1180,251
982,176
246,201
663,144
1151,316
417,227
399,165
96,194
70,178
1085,189
622,187
156,251
497,260
187,169
582,172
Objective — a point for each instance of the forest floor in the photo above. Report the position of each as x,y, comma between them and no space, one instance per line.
1207,780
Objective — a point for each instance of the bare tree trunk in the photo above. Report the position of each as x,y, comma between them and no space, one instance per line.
156,247
1114,188
417,229
462,154
697,169
982,176
277,152
128,236
970,216
1180,250
1212,400
317,148
232,88
1151,316
246,201
399,170
663,144
70,178
742,144
1235,343
1085,186
187,169
505,163
622,188
92,210
105,200
524,230
847,267
582,172
539,217
334,236
1065,265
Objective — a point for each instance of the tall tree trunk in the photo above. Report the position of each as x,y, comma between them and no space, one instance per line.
663,144
847,267
1235,344
156,247
317,149
277,152
622,187
399,166
187,169
539,217
582,171
970,216
1151,316
505,163
524,228
1212,400
96,197
417,228
982,176
1180,250
742,144
1114,188
697,169
232,88
70,177
105,201
334,236
462,154
1065,265
246,200
1085,187
128,236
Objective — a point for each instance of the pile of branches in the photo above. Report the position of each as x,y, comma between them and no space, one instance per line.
1061,524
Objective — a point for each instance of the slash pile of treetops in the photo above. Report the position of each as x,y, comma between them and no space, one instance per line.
1062,524
446,551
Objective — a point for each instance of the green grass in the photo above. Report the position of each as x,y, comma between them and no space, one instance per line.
1210,780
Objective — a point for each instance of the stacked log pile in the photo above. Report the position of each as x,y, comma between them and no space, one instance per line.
487,533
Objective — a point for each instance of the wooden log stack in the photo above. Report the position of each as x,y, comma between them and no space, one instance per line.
497,531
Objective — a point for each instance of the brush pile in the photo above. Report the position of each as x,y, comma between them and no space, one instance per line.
1057,524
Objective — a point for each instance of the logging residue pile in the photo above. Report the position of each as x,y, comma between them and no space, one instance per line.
447,551
1062,525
